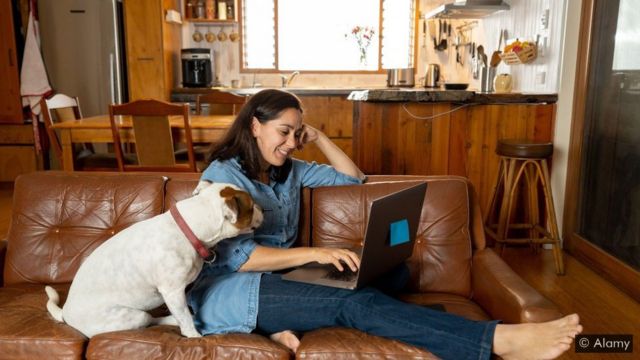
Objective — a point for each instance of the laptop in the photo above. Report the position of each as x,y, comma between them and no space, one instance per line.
389,238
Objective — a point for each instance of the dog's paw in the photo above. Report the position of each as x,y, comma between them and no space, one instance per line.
191,334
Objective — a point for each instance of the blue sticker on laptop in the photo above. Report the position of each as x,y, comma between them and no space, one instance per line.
399,232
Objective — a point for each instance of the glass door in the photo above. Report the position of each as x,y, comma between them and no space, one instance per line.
603,188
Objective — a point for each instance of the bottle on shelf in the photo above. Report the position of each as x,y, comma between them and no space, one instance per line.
210,9
200,10
191,8
230,10
222,10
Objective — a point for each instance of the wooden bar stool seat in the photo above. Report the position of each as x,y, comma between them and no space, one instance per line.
523,164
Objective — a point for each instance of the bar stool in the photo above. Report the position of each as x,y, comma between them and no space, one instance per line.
523,161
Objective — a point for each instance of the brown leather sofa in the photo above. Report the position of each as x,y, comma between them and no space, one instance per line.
59,218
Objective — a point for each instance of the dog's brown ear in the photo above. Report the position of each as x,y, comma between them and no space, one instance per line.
241,206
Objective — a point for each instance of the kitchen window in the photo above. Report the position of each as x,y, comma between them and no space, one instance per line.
327,35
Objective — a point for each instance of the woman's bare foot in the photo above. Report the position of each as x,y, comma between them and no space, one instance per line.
286,338
536,341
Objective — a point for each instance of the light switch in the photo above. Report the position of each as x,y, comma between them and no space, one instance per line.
544,19
541,77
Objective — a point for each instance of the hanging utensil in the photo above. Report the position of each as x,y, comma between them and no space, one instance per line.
442,44
222,36
432,32
495,56
234,36
210,36
197,36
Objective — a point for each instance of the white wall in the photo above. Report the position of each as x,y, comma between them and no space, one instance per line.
522,21
565,105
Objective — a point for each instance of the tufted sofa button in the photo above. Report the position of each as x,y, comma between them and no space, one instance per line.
57,231
112,232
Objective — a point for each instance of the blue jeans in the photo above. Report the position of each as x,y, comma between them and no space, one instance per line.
303,307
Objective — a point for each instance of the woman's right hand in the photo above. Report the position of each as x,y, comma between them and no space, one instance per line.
337,257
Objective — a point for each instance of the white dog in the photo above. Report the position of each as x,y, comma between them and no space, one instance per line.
152,262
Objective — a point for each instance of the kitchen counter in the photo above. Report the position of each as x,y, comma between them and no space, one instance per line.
451,96
182,93
384,94
454,132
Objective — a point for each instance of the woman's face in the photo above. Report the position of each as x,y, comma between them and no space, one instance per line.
278,138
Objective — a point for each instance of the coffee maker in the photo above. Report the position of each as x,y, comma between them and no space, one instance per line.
196,67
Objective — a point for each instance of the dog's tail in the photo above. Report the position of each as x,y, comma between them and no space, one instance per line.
52,303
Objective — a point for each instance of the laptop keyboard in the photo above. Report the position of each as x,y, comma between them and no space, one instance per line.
346,275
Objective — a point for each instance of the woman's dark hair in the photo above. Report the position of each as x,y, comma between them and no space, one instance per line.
265,106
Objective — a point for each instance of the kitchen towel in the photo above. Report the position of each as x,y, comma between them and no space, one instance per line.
34,84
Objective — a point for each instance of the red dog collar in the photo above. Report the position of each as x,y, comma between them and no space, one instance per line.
193,239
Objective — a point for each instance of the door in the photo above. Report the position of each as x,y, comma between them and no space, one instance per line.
603,184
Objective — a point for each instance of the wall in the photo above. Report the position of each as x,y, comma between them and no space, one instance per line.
564,112
521,21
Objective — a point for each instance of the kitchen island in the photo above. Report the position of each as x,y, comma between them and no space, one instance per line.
452,132
418,131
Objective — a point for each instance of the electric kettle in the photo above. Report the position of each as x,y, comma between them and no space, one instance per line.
432,76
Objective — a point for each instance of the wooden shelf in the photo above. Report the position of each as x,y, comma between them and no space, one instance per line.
205,22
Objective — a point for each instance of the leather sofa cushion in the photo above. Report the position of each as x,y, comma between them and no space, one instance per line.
58,219
27,331
454,304
165,342
441,260
180,187
342,343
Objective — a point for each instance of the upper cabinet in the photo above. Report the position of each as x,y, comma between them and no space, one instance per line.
10,104
153,48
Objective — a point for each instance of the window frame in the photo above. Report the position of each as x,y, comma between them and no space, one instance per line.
380,70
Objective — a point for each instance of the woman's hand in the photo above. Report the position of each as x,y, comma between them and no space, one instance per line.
337,257
306,135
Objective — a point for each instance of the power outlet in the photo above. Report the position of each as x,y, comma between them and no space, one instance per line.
543,46
541,77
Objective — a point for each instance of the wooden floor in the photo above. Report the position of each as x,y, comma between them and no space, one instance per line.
603,308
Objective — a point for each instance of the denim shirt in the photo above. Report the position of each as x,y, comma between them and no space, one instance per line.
224,300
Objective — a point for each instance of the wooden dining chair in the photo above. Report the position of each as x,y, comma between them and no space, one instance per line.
220,103
152,135
61,107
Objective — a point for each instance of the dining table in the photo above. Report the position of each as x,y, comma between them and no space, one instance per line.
97,129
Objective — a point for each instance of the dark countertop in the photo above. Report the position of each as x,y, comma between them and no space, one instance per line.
319,91
456,96
373,94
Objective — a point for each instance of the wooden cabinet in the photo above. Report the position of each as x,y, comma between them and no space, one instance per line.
17,151
10,104
333,116
153,48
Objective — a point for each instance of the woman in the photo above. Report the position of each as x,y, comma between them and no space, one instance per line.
238,293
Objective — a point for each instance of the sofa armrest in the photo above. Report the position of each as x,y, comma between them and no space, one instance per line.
504,294
3,252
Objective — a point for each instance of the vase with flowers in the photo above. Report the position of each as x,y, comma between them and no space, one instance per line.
363,36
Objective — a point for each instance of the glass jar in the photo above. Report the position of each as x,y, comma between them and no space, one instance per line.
191,9
200,10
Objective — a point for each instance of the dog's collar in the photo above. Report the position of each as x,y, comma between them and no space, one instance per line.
208,256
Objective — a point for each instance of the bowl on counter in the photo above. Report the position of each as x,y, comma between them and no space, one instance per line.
456,86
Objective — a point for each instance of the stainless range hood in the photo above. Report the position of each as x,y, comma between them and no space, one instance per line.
470,9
